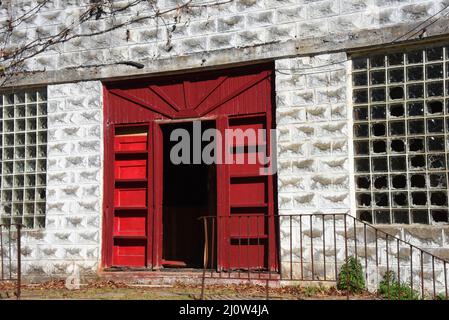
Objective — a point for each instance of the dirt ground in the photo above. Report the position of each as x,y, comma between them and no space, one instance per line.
109,290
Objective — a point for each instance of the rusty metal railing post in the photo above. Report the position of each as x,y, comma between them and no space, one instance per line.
19,261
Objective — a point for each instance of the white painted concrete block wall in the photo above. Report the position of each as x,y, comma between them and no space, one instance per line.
72,235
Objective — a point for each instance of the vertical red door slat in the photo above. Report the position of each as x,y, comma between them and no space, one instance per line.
131,205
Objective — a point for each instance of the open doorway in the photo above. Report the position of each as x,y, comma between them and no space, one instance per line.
189,192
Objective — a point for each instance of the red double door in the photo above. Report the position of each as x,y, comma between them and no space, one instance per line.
245,232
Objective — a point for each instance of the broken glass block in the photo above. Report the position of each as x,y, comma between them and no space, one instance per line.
400,199
416,145
435,125
364,199
399,181
397,146
415,91
396,93
382,199
361,130
415,109
434,106
415,73
417,162
435,143
419,198
433,54
398,163
362,165
377,61
378,112
420,216
435,89
361,147
380,164
439,215
416,126
378,94
360,79
382,216
379,146
438,198
438,180
363,182
365,216
378,129
418,181
360,96
397,110
380,182
360,113
396,75
377,77
436,161
397,128
401,216
434,71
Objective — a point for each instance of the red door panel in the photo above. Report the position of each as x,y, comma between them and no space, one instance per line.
238,98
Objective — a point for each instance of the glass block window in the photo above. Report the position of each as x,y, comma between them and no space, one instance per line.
401,126
23,155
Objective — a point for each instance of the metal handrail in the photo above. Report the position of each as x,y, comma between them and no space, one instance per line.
6,250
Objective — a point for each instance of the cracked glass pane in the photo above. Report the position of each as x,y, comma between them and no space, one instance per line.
397,128
436,161
415,126
362,165
395,59
360,96
364,199
380,164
